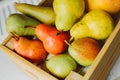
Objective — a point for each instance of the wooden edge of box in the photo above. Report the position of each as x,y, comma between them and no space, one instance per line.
27,67
106,58
74,76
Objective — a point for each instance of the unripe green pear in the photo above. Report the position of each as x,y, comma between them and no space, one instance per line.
43,14
17,24
96,24
61,65
67,12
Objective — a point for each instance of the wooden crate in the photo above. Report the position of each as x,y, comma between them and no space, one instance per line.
99,69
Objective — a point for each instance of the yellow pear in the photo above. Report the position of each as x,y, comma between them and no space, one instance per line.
67,12
96,24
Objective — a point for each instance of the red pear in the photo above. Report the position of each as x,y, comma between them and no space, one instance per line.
53,40
32,50
84,50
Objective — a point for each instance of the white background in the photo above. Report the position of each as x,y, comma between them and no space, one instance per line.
9,71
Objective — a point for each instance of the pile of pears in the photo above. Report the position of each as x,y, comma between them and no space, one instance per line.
63,29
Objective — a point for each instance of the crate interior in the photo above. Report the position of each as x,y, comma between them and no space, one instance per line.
80,69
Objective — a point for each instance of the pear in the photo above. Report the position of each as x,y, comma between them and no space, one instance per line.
30,49
67,12
53,40
43,14
84,50
61,65
96,24
17,24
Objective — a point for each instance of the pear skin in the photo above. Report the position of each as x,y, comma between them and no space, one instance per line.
53,40
110,6
30,49
84,50
61,65
96,24
17,24
43,14
67,12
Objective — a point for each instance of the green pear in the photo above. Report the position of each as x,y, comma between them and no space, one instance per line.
17,24
61,65
67,12
96,24
43,14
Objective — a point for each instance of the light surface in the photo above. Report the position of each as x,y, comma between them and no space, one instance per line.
9,71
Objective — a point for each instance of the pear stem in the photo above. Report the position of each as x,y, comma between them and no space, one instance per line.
71,39
67,43
15,36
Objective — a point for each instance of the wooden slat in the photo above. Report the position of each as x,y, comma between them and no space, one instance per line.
7,39
106,58
74,76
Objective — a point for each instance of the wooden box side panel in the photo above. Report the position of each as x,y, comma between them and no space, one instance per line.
107,57
74,76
